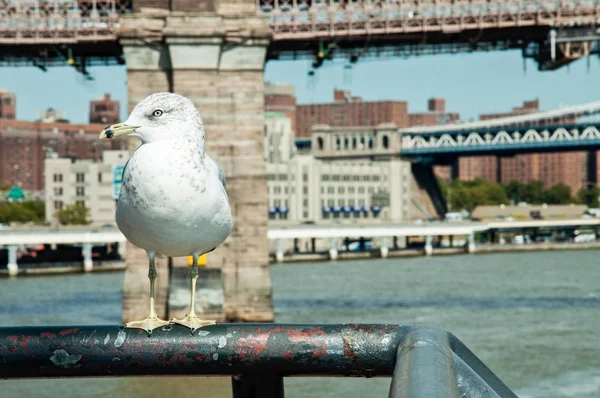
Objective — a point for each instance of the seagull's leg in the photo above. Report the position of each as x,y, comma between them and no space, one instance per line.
191,320
152,322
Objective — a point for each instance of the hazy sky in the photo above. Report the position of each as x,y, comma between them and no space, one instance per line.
471,83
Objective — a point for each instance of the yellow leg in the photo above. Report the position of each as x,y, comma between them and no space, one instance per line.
152,322
191,320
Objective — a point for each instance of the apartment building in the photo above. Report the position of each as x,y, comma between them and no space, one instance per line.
84,182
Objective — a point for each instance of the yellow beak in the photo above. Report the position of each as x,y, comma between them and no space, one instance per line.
116,130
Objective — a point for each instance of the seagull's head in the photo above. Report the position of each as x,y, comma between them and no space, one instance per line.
160,117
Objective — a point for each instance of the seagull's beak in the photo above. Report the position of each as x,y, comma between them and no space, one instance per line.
116,130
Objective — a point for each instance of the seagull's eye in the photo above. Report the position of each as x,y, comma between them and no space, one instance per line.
157,113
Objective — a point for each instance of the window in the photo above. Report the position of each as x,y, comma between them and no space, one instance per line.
340,189
57,177
320,143
385,142
305,190
80,191
80,177
99,177
58,204
58,191
80,203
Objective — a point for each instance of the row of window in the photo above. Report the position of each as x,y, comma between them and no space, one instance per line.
354,177
58,204
79,177
79,191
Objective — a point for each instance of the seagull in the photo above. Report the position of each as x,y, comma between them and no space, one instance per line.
173,200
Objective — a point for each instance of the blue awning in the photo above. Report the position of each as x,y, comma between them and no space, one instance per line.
364,208
271,210
352,208
284,209
347,209
337,209
375,208
325,209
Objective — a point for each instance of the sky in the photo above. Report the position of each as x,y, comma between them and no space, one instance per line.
472,83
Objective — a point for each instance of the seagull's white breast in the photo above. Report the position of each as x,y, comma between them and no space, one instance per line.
172,201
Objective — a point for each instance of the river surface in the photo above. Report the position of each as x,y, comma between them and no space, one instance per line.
533,318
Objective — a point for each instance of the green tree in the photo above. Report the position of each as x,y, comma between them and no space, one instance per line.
515,190
73,215
22,212
534,191
558,194
589,197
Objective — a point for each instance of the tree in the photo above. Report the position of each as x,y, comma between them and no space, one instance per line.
22,212
558,194
589,197
73,215
534,191
515,190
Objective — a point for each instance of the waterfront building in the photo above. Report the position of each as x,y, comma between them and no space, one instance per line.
104,110
569,168
350,175
25,145
83,182
8,105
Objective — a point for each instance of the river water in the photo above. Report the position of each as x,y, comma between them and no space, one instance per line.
533,318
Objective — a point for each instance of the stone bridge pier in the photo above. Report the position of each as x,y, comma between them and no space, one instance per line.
213,53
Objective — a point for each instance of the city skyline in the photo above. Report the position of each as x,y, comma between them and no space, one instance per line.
465,83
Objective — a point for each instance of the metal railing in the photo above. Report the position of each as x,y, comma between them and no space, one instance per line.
422,361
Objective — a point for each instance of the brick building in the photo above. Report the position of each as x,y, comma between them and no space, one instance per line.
568,168
348,110
281,98
25,145
436,114
104,110
8,105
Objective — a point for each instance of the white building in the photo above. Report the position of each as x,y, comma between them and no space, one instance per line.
351,175
69,181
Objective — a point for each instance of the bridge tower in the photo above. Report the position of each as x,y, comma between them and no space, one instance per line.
213,52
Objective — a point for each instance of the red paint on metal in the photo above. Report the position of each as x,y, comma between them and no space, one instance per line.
348,351
320,353
68,331
303,336
49,335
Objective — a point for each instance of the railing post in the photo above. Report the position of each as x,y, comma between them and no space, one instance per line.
279,251
428,246
471,243
384,248
88,264
13,268
333,252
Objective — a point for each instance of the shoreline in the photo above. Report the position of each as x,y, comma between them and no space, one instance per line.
325,256
439,251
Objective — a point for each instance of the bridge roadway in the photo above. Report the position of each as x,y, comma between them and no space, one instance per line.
554,33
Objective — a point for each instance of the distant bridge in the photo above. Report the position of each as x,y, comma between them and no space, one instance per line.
536,132
554,33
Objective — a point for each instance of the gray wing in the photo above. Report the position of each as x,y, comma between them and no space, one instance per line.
221,176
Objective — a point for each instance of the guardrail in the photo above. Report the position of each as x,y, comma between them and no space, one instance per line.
422,361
